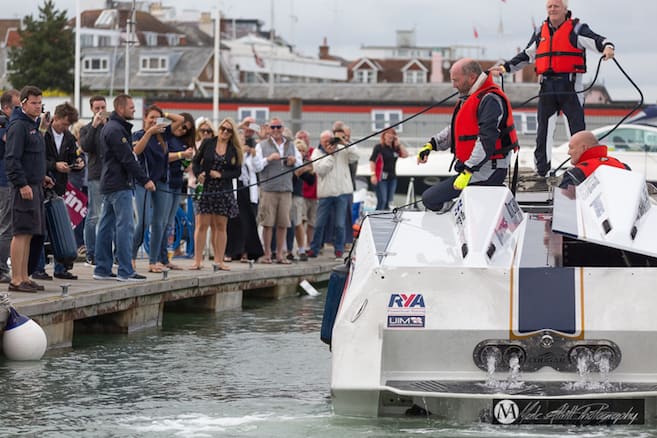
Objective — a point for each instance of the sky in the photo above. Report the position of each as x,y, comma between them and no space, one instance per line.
350,24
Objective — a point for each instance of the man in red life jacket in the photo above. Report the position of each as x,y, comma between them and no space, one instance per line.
558,49
481,135
586,155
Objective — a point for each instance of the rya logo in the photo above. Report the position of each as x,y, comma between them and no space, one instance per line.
406,301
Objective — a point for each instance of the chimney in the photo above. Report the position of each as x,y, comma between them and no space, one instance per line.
324,50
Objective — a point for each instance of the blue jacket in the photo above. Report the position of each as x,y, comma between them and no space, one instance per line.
25,154
120,166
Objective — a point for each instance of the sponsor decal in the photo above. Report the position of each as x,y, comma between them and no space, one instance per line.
406,301
406,321
586,412
406,310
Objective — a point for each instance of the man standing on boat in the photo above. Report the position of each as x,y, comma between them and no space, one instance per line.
558,49
481,135
586,154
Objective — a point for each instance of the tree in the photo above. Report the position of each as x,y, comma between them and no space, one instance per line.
46,55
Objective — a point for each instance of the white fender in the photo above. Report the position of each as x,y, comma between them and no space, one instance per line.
23,339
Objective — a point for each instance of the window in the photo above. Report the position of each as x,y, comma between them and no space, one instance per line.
153,64
415,77
86,40
383,118
173,40
525,123
95,64
151,39
365,76
260,114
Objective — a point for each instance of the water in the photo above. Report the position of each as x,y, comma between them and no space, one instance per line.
258,372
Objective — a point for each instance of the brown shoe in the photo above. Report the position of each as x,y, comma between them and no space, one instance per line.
24,286
36,285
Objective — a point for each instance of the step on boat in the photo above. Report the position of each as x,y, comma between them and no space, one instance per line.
502,312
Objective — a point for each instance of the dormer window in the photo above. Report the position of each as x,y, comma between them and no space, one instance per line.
95,64
415,77
153,64
365,76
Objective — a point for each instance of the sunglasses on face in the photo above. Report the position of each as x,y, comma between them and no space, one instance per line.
206,131
226,129
275,126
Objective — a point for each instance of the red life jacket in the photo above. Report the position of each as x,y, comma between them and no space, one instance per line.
556,54
595,157
465,127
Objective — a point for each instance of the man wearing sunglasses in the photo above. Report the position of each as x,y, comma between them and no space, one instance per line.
275,158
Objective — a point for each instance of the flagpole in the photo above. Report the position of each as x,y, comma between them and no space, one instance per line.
215,74
271,61
76,82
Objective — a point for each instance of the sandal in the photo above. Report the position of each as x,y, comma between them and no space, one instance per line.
195,267
155,269
222,267
283,262
228,259
266,260
244,259
173,267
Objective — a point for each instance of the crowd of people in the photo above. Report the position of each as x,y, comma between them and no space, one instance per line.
260,192
247,177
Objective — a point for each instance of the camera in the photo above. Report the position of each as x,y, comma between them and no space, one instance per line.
163,121
43,108
335,141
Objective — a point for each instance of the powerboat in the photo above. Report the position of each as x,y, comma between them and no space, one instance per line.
503,312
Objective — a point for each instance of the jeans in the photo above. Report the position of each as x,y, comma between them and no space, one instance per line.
337,204
94,200
116,218
161,210
385,192
175,199
143,207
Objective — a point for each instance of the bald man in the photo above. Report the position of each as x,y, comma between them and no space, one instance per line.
586,155
481,135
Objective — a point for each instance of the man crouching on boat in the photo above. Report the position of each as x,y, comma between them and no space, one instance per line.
481,135
586,155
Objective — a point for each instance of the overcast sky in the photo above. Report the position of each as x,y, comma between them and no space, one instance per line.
349,24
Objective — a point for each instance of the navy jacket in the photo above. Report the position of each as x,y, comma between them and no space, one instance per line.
25,154
90,143
120,166
67,153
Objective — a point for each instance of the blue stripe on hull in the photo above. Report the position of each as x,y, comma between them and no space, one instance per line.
547,300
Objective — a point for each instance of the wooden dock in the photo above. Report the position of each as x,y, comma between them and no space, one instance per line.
87,305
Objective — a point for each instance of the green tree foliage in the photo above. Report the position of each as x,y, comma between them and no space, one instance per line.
47,53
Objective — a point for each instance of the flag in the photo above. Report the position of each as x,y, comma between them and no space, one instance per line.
474,30
258,60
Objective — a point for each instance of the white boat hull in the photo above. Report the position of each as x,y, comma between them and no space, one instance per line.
438,307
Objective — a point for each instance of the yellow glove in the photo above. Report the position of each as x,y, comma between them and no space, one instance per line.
424,151
462,180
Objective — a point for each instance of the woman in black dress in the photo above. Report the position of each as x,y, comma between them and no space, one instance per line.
217,162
